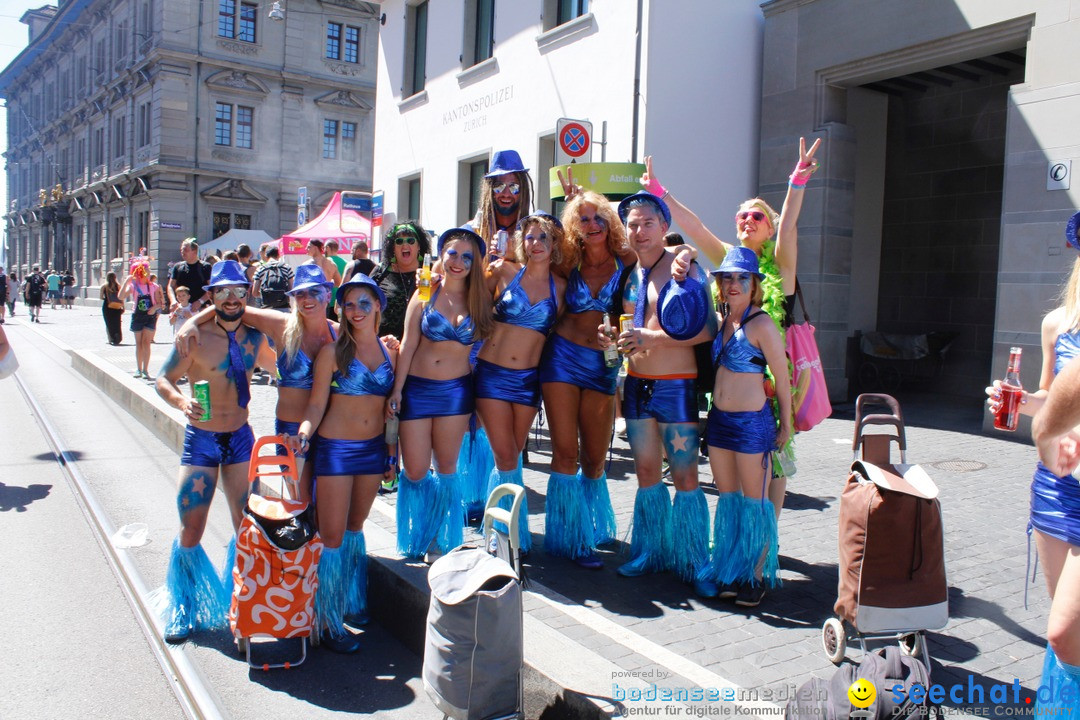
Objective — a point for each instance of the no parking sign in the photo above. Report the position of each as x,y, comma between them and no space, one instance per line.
573,141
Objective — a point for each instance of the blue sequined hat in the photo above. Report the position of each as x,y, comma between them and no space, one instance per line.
505,161
661,206
361,280
740,259
462,231
309,275
1072,232
226,272
683,307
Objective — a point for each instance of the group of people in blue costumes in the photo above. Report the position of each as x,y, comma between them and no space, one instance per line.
1055,502
505,324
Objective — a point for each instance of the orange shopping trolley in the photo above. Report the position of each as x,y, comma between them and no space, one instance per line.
277,558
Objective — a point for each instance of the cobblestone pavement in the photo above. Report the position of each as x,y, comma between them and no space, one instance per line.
647,623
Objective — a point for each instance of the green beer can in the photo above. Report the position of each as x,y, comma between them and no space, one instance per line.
201,392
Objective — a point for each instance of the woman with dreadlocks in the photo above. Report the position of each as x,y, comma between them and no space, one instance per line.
772,237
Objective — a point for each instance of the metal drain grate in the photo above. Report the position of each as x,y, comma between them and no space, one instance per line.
959,465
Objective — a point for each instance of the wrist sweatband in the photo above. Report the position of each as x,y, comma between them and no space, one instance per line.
801,175
654,187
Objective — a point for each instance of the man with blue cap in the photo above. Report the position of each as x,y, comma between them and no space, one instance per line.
660,400
220,445
505,198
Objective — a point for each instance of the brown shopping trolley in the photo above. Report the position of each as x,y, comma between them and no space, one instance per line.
277,558
891,542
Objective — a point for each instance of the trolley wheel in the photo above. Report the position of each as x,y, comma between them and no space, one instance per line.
242,646
834,640
912,644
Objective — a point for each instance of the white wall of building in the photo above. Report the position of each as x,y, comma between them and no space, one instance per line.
698,61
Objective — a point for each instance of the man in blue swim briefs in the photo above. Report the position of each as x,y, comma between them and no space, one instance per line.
660,405
225,357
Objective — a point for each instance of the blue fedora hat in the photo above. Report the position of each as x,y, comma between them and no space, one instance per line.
462,231
361,280
683,307
226,272
644,196
1072,232
505,161
740,259
309,275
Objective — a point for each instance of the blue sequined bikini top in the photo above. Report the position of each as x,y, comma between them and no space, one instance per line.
300,373
737,354
362,381
579,298
514,308
1066,347
437,328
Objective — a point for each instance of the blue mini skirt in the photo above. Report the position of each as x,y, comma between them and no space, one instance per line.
496,382
567,362
1055,505
750,432
350,457
424,398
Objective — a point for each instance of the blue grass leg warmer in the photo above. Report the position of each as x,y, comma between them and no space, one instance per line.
1059,689
603,515
330,597
689,533
451,527
726,525
568,527
513,477
475,462
194,583
757,545
356,567
418,520
650,541
227,584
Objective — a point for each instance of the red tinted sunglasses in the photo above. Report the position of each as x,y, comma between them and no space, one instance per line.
755,215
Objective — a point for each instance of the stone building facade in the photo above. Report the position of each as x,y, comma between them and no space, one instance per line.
136,123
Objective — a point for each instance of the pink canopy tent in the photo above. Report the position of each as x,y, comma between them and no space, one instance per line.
335,222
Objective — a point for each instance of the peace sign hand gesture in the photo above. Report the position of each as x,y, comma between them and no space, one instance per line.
649,182
808,164
568,186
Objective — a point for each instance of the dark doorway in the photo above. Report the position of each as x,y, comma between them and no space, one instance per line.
941,220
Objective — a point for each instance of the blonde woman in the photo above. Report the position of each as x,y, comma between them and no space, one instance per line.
433,394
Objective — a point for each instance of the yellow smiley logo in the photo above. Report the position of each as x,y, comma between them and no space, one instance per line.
862,693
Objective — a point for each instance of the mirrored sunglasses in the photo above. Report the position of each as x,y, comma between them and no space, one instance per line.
513,187
237,291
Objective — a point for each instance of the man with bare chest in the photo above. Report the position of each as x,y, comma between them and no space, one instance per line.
217,447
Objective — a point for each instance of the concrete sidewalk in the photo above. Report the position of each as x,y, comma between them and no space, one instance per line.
593,636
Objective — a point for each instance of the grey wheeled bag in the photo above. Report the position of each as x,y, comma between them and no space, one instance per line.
473,652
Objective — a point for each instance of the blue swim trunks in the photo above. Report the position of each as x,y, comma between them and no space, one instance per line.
666,400
204,448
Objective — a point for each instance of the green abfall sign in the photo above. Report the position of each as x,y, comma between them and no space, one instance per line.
615,180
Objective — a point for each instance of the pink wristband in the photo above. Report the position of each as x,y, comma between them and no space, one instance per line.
654,187
798,180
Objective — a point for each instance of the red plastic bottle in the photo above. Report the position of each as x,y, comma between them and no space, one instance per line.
1008,414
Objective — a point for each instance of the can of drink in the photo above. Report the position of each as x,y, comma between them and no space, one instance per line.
626,323
501,238
201,392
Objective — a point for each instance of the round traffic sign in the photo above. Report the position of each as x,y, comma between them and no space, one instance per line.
574,140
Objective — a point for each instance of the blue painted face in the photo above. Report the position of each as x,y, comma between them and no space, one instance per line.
318,294
363,303
466,257
741,280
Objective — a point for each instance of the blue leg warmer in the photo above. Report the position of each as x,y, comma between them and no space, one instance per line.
689,533
418,520
726,527
568,528
356,565
330,597
514,477
227,584
757,545
193,582
650,542
451,528
1059,689
603,515
475,462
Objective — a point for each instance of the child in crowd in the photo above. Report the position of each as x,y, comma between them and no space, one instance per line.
183,311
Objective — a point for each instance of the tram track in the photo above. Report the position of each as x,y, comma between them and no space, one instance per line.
187,682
